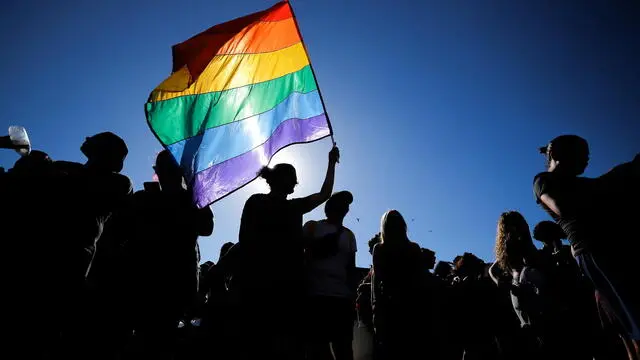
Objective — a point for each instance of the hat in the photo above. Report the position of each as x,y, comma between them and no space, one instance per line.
343,198
105,144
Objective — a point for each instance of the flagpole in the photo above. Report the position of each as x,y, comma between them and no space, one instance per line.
295,21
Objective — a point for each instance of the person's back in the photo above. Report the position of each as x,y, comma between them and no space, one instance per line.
330,268
272,244
330,275
398,269
398,291
397,300
268,277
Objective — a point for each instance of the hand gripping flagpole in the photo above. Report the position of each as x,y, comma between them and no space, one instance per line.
326,114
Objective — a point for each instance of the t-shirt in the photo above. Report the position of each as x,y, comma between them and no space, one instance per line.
578,202
328,276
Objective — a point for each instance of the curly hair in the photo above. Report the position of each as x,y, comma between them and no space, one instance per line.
514,246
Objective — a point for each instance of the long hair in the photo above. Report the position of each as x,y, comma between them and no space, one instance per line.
393,228
514,247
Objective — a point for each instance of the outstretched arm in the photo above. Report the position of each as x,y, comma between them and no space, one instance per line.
313,201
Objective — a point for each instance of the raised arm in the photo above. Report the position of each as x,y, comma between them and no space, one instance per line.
313,201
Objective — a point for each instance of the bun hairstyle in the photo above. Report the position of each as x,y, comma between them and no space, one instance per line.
278,173
266,173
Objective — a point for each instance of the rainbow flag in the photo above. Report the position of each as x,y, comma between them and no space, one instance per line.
239,92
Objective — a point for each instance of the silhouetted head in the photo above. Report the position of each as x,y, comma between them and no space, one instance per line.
105,151
281,178
514,246
168,171
568,153
469,265
337,207
393,228
429,258
375,240
205,266
442,269
224,249
549,233
35,163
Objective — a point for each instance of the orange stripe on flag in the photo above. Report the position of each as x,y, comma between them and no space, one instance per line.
226,38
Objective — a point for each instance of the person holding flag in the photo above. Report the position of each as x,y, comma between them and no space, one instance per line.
270,277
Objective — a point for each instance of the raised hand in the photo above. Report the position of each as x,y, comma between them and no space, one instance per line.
334,155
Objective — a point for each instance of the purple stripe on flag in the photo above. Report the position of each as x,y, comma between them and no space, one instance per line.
222,179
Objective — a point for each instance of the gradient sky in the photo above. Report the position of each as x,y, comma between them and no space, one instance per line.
438,106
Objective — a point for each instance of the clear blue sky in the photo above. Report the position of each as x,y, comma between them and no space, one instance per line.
438,106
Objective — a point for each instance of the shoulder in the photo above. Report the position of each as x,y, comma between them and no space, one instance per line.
414,247
68,166
541,183
377,249
542,177
348,232
351,237
255,199
140,195
310,226
121,183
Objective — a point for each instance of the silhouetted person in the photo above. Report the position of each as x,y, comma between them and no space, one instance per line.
95,189
473,309
556,261
572,295
30,193
398,291
90,193
331,254
166,226
270,277
516,269
583,207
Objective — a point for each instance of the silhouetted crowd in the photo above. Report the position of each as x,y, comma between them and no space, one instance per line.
94,270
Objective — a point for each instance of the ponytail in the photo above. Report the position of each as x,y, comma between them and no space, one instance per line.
266,173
